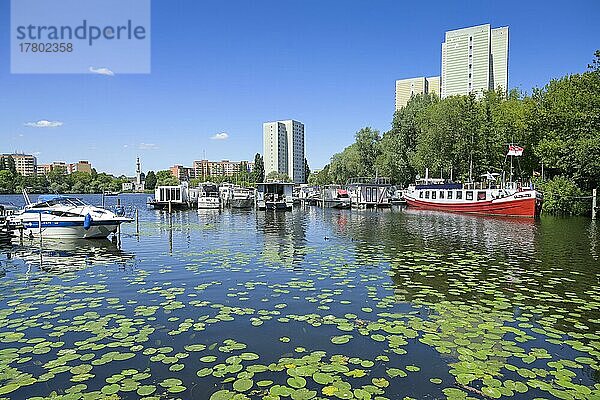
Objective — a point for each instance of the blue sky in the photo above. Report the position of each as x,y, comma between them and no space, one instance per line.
228,66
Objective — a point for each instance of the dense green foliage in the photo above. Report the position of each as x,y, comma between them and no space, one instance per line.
166,178
464,137
278,176
561,196
59,182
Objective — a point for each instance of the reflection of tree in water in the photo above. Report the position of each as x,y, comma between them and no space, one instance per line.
540,269
284,236
57,257
593,235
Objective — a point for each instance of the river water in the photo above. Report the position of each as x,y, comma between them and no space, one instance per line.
305,304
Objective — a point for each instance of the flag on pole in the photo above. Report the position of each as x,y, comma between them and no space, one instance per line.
514,150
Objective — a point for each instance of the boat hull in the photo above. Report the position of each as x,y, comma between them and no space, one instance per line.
276,205
73,230
517,205
242,203
165,205
209,203
339,204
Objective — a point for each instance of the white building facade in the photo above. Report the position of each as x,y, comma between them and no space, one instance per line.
474,60
407,88
283,149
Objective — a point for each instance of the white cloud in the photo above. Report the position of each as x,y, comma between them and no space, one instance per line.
102,71
43,123
147,146
220,136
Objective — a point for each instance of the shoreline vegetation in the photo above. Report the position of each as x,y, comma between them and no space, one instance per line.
58,181
558,125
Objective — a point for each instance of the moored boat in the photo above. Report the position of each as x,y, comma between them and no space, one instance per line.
274,196
58,216
173,197
334,196
481,198
242,198
367,192
209,198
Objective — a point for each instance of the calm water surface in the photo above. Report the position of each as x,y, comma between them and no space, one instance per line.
305,304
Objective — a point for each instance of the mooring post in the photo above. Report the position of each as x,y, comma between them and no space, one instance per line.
118,226
40,224
137,222
594,203
170,231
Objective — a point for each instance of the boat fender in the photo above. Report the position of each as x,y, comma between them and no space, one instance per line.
87,222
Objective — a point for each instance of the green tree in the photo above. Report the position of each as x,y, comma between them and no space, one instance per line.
368,148
278,176
7,181
569,124
80,182
166,178
306,170
398,145
321,177
150,180
258,174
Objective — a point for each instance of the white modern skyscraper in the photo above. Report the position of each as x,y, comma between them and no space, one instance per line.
283,148
474,59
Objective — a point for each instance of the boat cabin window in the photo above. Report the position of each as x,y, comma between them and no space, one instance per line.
459,195
441,194
469,195
449,194
420,195
480,196
427,194
433,194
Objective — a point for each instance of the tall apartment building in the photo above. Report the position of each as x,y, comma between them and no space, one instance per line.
474,59
407,88
25,164
184,174
283,149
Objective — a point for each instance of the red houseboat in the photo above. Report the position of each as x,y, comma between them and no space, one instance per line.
507,199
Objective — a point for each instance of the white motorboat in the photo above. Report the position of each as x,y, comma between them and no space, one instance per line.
208,197
58,216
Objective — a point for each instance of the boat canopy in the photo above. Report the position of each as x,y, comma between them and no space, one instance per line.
45,200
42,198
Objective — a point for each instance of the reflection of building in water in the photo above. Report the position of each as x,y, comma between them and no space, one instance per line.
72,255
284,236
